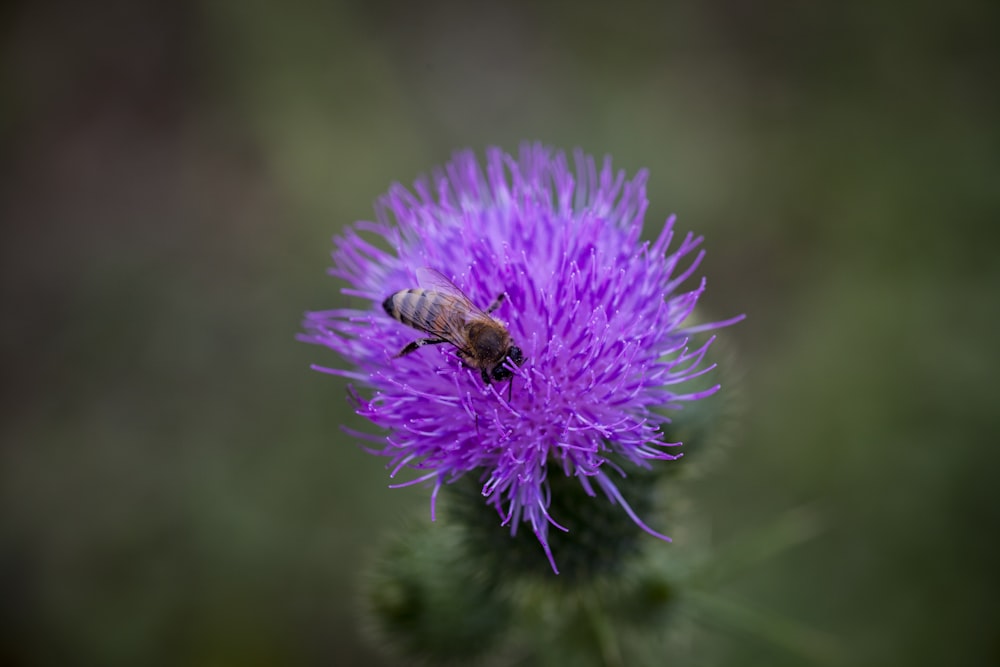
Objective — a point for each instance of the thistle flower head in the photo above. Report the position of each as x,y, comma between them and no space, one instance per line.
597,314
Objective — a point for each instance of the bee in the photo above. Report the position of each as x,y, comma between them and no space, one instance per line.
442,310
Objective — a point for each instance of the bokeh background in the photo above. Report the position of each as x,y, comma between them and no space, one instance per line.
174,488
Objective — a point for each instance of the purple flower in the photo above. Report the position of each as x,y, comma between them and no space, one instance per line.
595,310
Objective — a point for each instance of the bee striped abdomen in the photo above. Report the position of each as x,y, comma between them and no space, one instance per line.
416,308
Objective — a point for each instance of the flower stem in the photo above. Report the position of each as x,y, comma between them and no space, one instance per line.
604,634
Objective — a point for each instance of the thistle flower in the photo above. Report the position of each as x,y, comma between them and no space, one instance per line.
597,313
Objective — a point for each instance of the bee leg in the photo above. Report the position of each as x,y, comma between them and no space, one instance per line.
420,342
486,376
496,303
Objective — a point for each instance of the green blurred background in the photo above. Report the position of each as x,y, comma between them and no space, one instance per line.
174,488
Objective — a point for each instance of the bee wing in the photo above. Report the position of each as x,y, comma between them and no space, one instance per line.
446,320
432,279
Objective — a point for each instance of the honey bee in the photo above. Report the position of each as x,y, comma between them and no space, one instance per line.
440,309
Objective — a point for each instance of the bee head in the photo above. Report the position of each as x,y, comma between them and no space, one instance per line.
501,372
